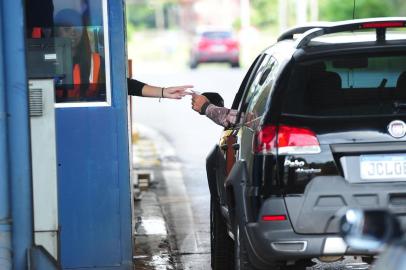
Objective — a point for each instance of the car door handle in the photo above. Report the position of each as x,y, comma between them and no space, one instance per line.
236,146
224,147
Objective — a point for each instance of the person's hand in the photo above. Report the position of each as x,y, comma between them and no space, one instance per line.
176,92
198,101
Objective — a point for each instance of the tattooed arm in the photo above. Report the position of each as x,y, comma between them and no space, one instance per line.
220,115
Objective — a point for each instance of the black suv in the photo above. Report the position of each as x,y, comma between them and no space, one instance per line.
322,128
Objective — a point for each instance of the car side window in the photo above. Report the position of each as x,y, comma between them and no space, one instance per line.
255,83
246,81
257,104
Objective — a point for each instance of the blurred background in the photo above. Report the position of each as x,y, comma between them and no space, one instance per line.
163,31
169,42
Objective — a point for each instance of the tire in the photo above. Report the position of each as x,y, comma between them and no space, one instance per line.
368,259
299,265
242,260
240,252
222,251
193,64
235,64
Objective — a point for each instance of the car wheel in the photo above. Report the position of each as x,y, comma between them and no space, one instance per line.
240,251
299,265
368,259
222,252
241,255
235,64
193,64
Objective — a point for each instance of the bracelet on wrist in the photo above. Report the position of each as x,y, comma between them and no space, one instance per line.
162,93
204,108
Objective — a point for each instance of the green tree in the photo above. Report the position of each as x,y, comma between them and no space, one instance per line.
333,10
399,7
264,13
140,16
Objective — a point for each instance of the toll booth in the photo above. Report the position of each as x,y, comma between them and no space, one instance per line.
64,151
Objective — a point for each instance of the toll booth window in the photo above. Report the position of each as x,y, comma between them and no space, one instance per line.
66,41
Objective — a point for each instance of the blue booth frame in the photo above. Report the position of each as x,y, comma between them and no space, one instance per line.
93,162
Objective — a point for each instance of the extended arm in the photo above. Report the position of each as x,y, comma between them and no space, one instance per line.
220,115
137,88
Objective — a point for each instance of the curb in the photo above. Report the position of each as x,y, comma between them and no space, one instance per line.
150,149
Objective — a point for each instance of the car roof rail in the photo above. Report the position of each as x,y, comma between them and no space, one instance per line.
310,32
379,24
302,29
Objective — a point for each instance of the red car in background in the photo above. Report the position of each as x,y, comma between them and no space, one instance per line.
215,46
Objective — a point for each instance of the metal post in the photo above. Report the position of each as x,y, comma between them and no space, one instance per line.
245,14
314,10
159,16
301,11
5,218
18,137
283,15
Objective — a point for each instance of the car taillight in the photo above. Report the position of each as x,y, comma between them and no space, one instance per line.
203,43
382,25
286,140
296,140
265,140
274,218
232,44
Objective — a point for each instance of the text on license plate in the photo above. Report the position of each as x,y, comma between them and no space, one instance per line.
383,167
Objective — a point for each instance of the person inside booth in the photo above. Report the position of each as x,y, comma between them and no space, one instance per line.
88,65
88,79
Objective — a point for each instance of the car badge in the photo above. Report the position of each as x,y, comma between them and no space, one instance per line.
397,129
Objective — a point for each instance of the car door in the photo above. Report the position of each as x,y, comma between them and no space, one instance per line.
228,138
257,108
225,157
228,142
252,93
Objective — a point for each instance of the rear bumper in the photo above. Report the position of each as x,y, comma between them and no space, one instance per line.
320,208
267,246
270,242
217,57
312,219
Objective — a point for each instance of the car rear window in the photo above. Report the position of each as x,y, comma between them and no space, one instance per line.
348,86
217,35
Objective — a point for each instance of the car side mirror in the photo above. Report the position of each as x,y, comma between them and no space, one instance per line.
214,98
369,229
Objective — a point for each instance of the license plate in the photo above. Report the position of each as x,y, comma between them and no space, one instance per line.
383,167
218,48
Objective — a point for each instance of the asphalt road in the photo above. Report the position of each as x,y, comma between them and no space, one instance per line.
183,194
191,134
183,197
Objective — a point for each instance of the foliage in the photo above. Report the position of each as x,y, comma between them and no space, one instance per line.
333,10
264,13
140,16
399,7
